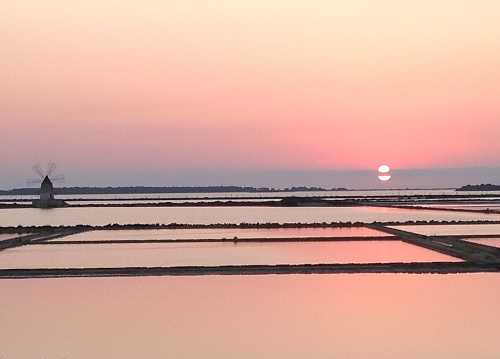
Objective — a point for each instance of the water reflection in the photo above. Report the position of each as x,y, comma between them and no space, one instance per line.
465,206
296,316
453,230
99,216
213,254
219,233
493,242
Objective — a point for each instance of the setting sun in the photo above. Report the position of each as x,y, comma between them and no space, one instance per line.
384,168
384,177
383,173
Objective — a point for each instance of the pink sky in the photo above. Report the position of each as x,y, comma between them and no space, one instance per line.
133,92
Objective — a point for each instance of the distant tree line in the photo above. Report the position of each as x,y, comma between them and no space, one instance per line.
159,190
480,187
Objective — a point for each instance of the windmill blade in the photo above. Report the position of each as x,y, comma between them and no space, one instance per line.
38,170
51,167
33,181
57,178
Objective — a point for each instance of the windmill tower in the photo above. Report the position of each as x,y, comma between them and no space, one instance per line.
47,190
47,199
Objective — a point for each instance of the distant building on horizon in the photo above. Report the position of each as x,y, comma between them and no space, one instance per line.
47,199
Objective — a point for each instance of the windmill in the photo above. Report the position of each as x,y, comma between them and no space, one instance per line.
45,180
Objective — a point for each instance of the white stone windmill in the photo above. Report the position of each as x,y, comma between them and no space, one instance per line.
47,193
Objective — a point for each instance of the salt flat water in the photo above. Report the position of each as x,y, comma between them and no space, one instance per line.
256,195
453,229
374,316
100,216
493,242
451,194
274,316
468,206
222,233
213,254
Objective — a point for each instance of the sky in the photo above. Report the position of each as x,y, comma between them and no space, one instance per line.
258,93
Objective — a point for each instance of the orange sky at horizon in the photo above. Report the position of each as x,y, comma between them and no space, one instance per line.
307,85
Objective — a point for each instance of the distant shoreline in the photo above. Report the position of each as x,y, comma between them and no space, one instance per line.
127,190
355,268
395,201
165,190
479,187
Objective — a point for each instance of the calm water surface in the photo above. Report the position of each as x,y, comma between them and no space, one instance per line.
99,216
257,195
297,316
475,207
453,230
220,233
287,316
493,242
213,254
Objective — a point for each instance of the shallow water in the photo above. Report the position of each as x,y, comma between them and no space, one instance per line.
493,242
213,254
286,316
295,316
257,195
220,233
453,230
464,206
100,216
